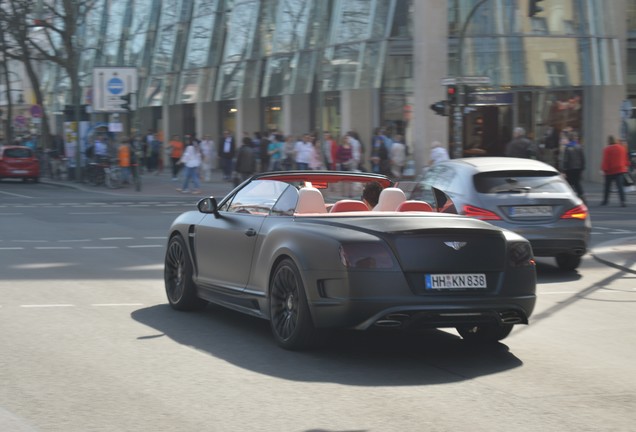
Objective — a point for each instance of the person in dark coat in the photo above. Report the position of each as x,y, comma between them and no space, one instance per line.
246,160
573,163
520,146
226,151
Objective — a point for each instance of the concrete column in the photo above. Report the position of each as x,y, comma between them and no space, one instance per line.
248,118
296,109
601,106
430,66
207,118
360,113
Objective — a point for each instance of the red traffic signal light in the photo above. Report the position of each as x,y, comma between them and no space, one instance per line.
451,94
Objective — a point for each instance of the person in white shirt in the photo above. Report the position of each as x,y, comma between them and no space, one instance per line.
304,151
438,153
356,150
191,159
208,151
397,154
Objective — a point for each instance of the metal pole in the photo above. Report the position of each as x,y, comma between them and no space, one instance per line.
458,111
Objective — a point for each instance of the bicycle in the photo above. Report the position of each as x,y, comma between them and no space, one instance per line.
113,176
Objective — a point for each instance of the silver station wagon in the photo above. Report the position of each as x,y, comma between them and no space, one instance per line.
526,196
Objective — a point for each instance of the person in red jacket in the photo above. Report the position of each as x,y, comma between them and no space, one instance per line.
615,163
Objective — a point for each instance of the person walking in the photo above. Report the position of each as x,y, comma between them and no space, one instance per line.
275,150
124,159
226,151
246,160
521,146
191,159
398,157
573,163
304,151
208,151
615,164
175,148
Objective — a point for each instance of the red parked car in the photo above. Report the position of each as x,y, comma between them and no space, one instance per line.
19,162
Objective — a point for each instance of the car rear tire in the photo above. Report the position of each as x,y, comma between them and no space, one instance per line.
484,334
180,288
290,319
568,262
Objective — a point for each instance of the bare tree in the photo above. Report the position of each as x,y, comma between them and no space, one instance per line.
48,31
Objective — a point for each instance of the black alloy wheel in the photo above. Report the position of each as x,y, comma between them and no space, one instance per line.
290,319
177,274
485,333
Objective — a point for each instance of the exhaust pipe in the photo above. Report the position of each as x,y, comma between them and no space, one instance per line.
388,323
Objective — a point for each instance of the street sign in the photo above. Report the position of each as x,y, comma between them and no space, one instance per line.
109,85
36,111
467,80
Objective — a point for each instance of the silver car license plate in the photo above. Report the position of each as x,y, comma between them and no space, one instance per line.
455,281
530,211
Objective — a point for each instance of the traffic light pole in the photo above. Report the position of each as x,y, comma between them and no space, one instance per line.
458,109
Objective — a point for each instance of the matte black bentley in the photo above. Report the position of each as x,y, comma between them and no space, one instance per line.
295,248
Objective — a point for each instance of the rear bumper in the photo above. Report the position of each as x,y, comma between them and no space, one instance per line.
387,300
555,247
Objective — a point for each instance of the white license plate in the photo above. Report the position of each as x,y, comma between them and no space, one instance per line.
530,211
456,281
20,171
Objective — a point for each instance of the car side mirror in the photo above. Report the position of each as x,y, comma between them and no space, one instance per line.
209,206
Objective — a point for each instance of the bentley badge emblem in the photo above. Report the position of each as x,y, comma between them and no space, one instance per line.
455,245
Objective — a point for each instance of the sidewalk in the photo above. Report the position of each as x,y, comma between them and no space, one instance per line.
620,253
153,185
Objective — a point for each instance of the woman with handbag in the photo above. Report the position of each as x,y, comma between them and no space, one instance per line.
615,165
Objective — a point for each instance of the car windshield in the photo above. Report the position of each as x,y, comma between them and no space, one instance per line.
17,153
519,182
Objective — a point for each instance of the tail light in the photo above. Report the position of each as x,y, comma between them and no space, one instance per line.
365,256
578,212
480,213
520,255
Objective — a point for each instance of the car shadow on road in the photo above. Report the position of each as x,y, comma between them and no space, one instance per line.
374,358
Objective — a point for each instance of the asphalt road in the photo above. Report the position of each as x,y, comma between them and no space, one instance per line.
89,343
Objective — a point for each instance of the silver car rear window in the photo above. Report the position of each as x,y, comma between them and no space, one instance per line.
519,182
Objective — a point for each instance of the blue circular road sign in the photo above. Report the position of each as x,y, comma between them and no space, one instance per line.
115,85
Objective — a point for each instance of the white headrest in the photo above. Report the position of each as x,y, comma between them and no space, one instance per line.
310,200
390,199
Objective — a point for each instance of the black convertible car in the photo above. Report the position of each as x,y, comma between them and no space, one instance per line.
296,249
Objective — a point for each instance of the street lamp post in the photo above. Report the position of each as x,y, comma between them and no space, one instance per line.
458,111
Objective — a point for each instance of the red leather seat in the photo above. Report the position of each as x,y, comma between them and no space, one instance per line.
413,205
348,205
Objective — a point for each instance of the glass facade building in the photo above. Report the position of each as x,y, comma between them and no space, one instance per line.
339,65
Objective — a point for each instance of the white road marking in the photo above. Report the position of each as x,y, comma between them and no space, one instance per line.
15,195
100,247
116,238
143,246
46,305
53,247
116,304
11,248
92,213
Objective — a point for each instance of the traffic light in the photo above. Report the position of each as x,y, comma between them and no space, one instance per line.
441,108
534,8
126,105
451,94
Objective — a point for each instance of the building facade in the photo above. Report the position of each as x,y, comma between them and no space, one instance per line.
338,65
